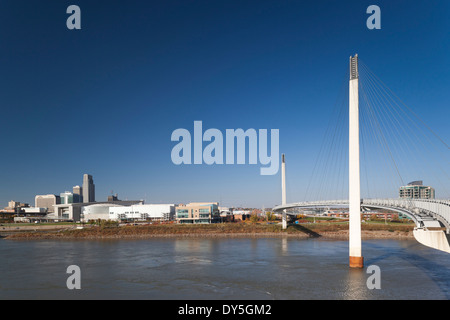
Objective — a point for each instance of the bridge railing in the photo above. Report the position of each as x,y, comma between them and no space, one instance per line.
435,208
322,203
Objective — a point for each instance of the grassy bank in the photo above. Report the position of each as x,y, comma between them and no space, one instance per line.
332,230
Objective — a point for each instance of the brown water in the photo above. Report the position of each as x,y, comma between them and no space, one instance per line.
262,268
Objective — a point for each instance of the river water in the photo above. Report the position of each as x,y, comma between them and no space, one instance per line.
224,268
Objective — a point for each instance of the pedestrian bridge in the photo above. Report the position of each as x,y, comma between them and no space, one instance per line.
391,136
431,216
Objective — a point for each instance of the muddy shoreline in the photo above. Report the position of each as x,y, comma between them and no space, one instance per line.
213,231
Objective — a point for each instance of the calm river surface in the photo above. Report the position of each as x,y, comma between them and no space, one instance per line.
224,268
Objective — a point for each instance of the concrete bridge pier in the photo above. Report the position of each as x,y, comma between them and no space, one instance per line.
356,258
433,236
283,191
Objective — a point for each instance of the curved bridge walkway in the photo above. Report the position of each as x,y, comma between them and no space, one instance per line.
432,217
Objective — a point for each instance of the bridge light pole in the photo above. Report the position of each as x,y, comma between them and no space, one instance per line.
283,190
356,258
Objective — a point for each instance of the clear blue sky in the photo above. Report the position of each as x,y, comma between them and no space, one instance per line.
105,99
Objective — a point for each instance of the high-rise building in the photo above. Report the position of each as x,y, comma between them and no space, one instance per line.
69,197
88,188
416,190
47,201
78,191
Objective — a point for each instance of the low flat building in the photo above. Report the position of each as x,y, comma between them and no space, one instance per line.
97,211
74,211
241,216
134,212
143,212
198,212
67,211
34,210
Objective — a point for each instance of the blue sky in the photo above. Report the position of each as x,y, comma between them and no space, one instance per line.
105,99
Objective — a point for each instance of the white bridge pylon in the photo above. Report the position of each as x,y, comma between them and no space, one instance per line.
354,184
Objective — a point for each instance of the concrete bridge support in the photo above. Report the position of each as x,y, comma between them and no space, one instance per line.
436,239
356,258
283,190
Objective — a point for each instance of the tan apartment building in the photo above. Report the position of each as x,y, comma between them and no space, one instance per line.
416,190
198,212
47,201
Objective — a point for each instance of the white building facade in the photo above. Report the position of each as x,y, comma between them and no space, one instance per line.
137,212
157,212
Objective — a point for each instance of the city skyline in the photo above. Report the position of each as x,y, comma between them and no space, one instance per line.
105,99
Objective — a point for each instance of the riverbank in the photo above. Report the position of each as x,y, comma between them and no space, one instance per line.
324,230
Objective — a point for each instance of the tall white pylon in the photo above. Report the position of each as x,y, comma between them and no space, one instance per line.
356,258
283,190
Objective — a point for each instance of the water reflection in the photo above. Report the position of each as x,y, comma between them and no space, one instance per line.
355,287
284,245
